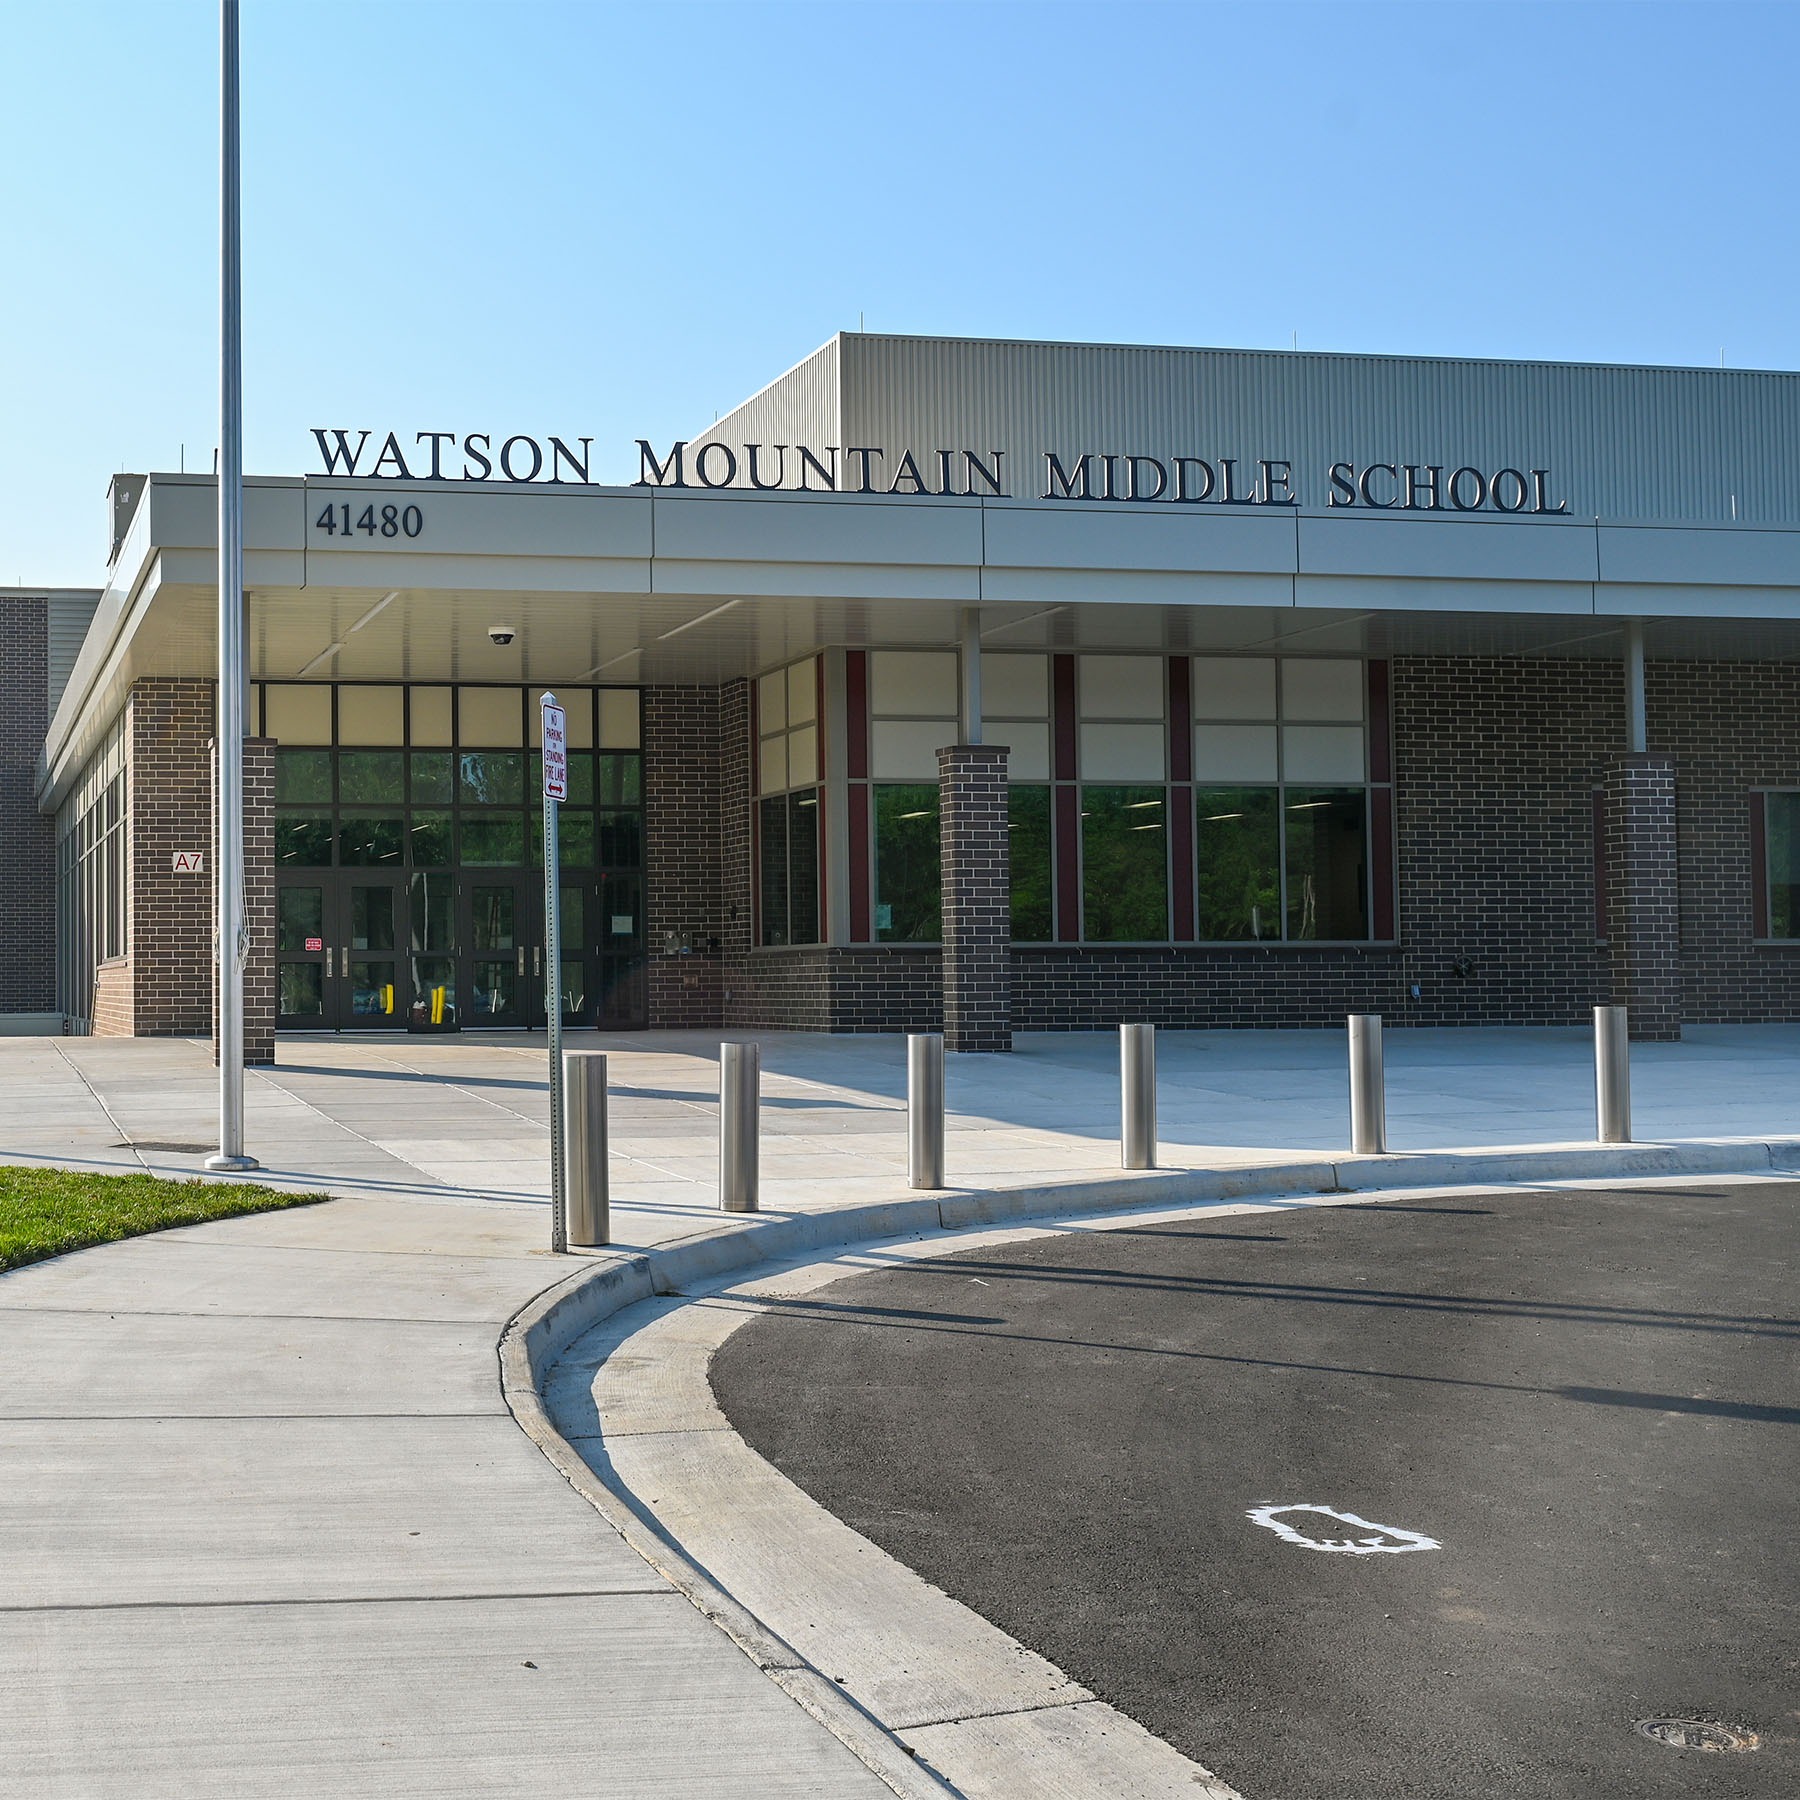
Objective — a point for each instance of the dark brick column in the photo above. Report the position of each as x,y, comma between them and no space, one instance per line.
1643,897
259,901
169,788
681,855
27,837
977,903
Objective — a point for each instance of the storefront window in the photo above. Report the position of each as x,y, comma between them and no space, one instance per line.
433,777
1125,864
303,840
1327,862
908,870
303,777
1238,833
772,849
1782,812
493,840
369,777
788,833
1028,847
492,777
365,841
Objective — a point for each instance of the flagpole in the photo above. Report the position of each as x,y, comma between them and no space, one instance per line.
232,938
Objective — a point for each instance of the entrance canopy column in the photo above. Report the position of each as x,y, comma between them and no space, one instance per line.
977,897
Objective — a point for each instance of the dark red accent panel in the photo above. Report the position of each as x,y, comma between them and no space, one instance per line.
1381,731
859,863
1600,863
823,864
820,734
1068,864
1062,716
1381,863
1181,855
1181,727
856,718
1759,866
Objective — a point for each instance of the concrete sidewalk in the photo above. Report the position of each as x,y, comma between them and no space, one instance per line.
270,1528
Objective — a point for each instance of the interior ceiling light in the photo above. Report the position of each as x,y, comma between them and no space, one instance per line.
677,630
613,663
324,656
385,601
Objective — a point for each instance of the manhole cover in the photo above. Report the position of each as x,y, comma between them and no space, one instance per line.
163,1147
1697,1734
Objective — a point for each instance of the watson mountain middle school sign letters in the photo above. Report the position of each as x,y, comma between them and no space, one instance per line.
869,469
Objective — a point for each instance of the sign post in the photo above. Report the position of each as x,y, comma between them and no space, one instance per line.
556,790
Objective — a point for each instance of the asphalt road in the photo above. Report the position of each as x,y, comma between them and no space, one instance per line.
1587,1400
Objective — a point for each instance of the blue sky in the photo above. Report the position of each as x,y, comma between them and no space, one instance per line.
614,221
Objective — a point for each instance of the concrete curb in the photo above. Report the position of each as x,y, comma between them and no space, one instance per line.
542,1330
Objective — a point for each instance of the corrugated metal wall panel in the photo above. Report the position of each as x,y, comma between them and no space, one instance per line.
1623,443
69,617
800,407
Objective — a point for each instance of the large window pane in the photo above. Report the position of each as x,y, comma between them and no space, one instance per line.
492,777
803,868
433,777
1124,864
621,778
1327,862
621,840
369,776
1238,833
431,840
772,833
493,840
301,916
303,840
365,841
1783,840
907,863
303,776
1028,853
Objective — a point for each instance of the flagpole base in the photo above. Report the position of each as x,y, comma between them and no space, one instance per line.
220,1164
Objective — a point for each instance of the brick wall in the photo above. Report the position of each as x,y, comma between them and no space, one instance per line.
682,846
977,906
27,837
1643,895
1731,727
169,726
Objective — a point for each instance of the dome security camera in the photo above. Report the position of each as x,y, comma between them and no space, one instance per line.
502,634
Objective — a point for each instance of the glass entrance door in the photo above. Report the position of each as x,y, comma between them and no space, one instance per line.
337,952
495,953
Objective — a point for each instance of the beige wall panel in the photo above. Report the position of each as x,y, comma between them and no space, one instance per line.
771,701
1028,742
1122,753
772,765
1120,687
1015,684
819,580
431,716
1321,688
371,715
297,714
803,756
621,719
379,571
1322,753
906,749
913,684
1229,753
1234,687
489,718
183,511
481,519
803,691
1699,556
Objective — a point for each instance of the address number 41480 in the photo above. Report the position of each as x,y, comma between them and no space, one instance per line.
388,521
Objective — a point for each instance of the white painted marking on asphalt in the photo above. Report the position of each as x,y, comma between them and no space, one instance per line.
1391,1540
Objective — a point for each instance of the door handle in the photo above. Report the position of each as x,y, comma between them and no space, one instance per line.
537,954
327,965
521,959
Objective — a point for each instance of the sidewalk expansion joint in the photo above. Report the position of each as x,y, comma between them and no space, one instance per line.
657,1590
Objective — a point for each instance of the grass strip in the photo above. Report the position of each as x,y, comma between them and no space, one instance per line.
49,1212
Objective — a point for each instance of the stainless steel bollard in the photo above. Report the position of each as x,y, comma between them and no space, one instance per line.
740,1084
1368,1086
1612,1074
925,1109
587,1185
1137,1092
